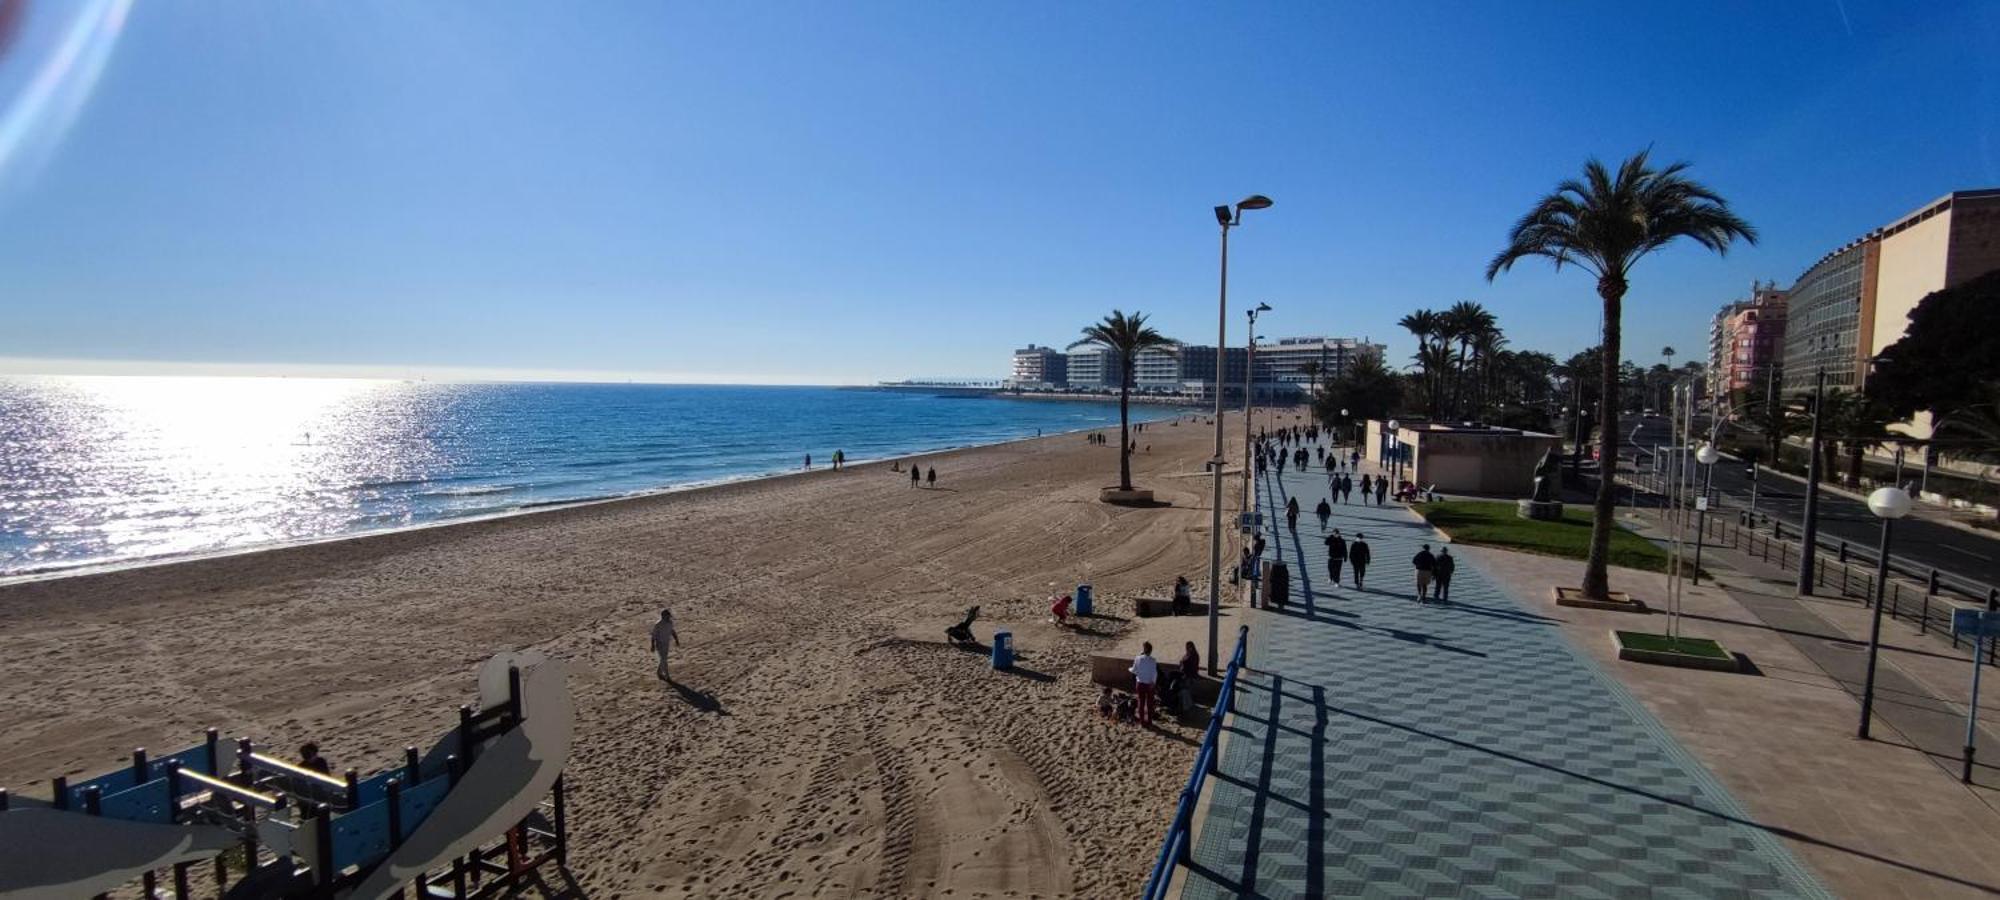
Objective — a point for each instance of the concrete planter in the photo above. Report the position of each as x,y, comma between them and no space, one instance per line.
1620,601
1133,497
1727,662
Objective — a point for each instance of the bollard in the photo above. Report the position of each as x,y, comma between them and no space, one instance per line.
1003,649
1082,603
1843,551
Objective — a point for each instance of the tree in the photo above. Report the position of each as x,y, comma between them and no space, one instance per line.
1125,336
1605,224
1977,422
1857,423
1427,326
1464,323
1949,352
1367,390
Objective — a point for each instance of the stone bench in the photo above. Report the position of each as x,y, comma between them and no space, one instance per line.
1156,607
1115,672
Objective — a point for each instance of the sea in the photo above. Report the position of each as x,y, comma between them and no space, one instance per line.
111,469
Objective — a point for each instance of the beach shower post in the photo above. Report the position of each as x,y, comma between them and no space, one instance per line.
1227,220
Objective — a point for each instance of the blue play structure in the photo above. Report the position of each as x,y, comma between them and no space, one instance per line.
306,833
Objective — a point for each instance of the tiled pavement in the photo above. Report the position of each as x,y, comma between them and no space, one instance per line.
1381,748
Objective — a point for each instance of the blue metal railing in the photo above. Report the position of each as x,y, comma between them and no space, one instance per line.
1178,845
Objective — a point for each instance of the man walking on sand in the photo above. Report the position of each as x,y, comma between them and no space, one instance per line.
664,634
1423,562
1145,682
930,477
916,474
1358,556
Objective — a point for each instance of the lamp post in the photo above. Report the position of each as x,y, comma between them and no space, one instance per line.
1227,220
1395,450
1249,385
1707,456
1888,504
1343,421
1809,532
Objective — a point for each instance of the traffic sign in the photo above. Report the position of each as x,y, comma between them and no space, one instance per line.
1975,623
1701,504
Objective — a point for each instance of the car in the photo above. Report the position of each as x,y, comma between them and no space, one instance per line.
1650,414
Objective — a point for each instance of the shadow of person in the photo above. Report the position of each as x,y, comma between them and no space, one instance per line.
702,701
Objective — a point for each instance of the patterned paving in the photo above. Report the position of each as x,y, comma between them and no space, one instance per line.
1385,749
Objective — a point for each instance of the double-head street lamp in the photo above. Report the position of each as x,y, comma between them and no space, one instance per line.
1227,219
1888,504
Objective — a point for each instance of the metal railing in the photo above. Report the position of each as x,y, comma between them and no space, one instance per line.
1175,851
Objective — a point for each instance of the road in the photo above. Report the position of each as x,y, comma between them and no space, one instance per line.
1918,543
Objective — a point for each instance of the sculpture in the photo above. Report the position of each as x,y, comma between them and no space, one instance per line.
1548,478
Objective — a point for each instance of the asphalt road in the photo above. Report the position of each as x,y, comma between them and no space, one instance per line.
1917,543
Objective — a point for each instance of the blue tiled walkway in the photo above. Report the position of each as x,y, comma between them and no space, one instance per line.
1385,749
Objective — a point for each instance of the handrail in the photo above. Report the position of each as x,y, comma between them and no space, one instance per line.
1175,850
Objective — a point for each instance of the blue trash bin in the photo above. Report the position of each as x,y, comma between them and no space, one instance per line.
1003,649
1082,600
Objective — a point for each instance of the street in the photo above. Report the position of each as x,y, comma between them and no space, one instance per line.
1918,543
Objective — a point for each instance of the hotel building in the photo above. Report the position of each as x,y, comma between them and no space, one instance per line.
1040,369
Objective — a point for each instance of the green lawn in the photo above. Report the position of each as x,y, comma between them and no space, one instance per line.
1494,523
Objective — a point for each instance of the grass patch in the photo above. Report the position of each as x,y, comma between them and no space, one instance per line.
1660,643
1494,523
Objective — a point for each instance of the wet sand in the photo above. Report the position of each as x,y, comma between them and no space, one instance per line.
823,740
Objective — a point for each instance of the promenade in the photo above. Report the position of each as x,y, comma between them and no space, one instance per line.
1384,748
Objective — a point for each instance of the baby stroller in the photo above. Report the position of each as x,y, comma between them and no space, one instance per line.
962,632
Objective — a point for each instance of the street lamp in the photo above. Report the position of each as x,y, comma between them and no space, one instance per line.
1395,452
1707,456
1888,504
1249,388
1227,220
1343,421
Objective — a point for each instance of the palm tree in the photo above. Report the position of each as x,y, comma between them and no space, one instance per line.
1425,326
1604,224
1858,422
1125,336
1464,323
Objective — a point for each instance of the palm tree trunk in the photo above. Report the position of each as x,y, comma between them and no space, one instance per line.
1125,430
1596,565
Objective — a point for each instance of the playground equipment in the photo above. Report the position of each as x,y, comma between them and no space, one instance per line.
482,809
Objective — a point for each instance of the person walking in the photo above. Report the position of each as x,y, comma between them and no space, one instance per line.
1423,562
1325,512
1145,682
1183,595
1367,487
1346,488
809,460
1358,556
1381,489
664,634
1336,553
1292,513
916,474
1441,570
930,477
839,459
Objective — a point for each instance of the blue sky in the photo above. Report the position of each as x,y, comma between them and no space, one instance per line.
845,192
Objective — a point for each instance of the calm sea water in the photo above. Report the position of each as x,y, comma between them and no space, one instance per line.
101,469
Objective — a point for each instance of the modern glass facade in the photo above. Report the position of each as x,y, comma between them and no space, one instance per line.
1823,325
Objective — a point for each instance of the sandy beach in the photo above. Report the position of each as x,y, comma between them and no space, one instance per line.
822,741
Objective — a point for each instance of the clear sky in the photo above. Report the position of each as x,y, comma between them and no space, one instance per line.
813,192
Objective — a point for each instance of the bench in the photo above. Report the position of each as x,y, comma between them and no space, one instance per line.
1115,672
1155,607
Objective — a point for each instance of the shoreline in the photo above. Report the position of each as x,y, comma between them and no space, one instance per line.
819,730
87,568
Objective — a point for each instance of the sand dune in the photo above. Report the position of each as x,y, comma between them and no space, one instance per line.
823,742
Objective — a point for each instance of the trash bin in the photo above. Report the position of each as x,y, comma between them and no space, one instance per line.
1082,604
1003,649
1277,585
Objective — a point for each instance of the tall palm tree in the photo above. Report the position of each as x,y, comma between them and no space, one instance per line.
1125,336
1858,422
1428,328
1604,224
1465,322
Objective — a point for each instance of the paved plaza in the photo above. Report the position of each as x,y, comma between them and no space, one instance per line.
1384,748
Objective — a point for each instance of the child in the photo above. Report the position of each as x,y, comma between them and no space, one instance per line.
1106,705
1060,609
